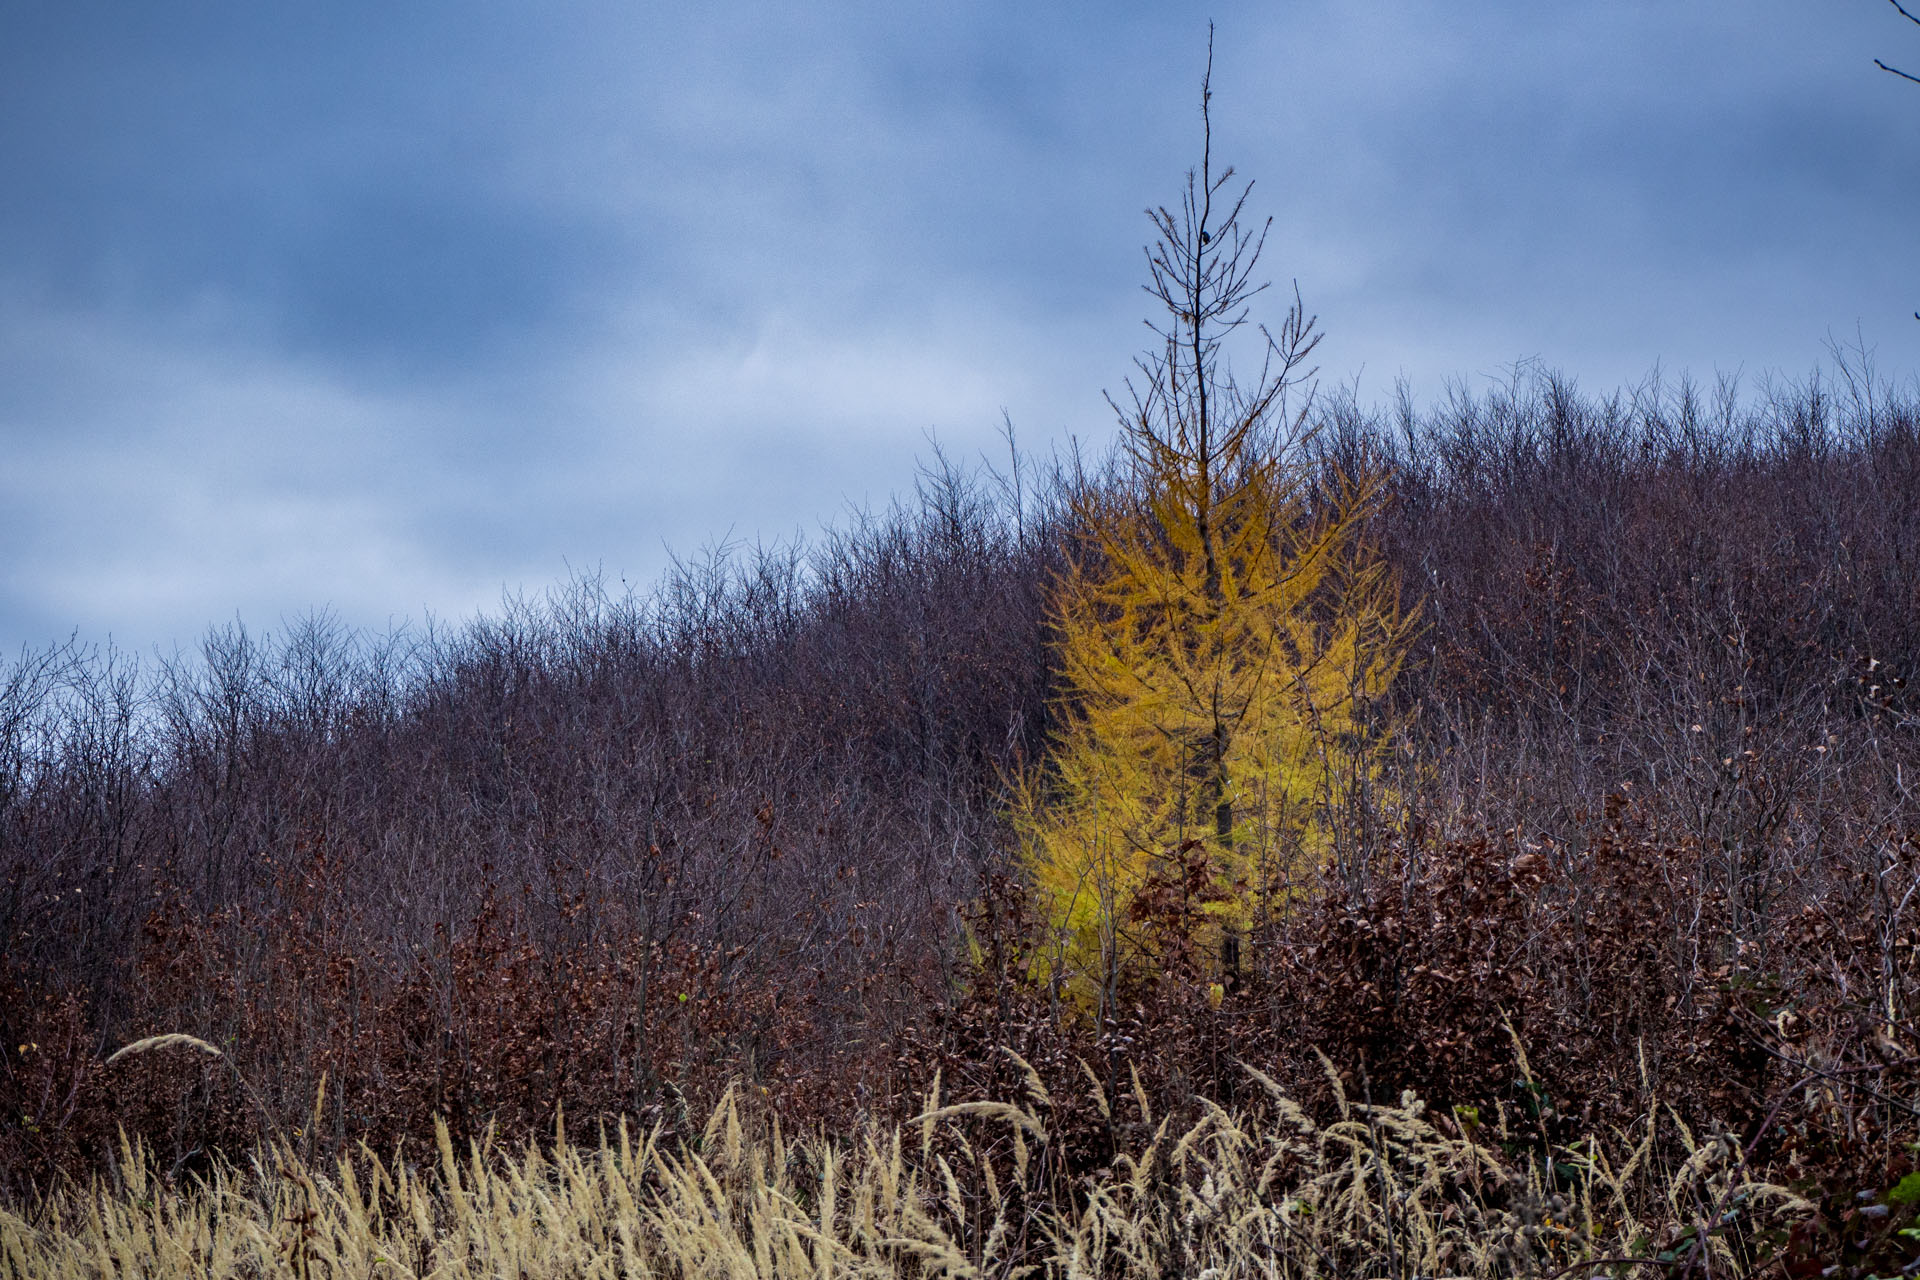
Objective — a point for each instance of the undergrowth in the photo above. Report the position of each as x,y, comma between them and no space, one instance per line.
975,1188
1650,829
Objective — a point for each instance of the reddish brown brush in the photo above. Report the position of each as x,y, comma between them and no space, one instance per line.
474,875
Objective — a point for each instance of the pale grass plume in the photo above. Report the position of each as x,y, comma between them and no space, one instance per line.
171,1040
1264,1190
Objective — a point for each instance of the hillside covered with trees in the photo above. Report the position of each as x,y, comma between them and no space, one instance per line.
1537,771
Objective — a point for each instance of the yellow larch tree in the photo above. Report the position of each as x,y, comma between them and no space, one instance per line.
1224,633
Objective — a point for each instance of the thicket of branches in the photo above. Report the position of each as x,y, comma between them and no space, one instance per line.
334,852
1656,797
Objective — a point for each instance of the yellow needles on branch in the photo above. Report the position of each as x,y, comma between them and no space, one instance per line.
1225,632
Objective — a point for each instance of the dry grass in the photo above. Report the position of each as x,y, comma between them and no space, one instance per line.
171,1039
974,1189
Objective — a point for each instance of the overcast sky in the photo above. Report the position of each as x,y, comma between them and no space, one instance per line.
387,308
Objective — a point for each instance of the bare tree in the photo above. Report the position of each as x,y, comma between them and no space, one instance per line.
1895,70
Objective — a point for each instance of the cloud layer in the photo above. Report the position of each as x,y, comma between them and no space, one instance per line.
386,310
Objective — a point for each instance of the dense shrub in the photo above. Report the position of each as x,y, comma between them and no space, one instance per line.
1652,823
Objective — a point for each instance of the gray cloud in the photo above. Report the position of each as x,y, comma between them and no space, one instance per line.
387,309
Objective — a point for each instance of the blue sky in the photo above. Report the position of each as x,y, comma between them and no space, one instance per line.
387,308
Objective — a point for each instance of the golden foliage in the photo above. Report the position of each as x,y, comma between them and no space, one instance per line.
1224,632
1235,719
